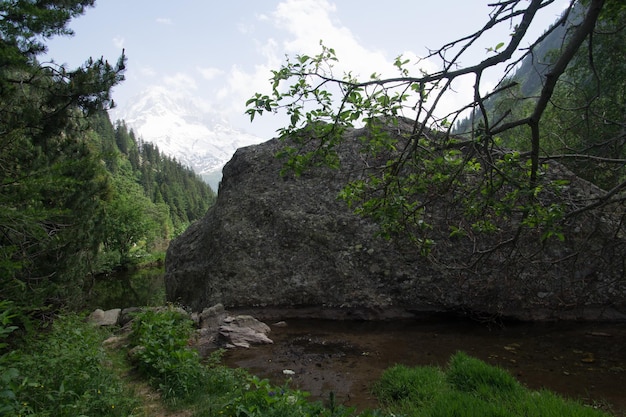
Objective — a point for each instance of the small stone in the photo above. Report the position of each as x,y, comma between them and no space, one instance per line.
105,318
600,334
589,358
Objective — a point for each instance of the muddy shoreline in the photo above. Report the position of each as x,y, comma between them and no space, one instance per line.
586,361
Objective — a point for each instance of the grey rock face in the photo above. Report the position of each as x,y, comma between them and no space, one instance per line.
274,241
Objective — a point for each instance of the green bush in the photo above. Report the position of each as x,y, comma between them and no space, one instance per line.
67,373
162,353
259,398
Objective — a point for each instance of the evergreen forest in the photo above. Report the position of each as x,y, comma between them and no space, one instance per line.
79,196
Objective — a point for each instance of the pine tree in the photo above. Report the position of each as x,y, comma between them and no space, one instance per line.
51,184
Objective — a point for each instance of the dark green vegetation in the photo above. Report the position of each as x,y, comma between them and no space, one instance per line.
153,197
68,372
78,196
141,286
468,387
65,373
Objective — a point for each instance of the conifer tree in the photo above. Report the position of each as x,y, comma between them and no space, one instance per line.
51,184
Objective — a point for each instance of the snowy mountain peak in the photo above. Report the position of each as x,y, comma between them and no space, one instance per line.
183,128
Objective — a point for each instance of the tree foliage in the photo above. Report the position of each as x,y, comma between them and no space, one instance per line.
415,171
72,186
51,184
583,126
158,196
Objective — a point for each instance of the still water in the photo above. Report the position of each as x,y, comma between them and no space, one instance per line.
577,360
122,289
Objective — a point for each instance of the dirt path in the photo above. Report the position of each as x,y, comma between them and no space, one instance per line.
151,402
152,405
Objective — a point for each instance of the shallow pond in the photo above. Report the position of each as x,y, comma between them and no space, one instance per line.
577,360
121,289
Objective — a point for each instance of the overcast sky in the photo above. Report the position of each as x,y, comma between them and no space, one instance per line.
222,52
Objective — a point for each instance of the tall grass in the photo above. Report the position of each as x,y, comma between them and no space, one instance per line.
469,387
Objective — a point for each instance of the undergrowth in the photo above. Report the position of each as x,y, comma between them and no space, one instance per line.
65,371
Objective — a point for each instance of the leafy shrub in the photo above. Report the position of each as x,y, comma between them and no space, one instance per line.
162,353
66,373
259,398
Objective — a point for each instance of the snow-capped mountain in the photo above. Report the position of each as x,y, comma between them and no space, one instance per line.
182,129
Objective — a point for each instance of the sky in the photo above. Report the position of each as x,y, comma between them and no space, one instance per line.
221,53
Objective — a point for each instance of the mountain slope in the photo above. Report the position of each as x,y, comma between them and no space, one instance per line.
182,129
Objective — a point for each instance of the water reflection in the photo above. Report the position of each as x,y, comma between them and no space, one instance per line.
141,287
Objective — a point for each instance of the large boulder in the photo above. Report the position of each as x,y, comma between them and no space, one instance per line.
277,241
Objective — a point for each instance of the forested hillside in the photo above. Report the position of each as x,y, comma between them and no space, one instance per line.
154,197
78,195
102,201
583,125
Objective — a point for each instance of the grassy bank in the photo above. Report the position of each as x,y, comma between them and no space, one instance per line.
67,370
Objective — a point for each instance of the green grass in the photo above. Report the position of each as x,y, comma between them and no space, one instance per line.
65,371
161,354
469,387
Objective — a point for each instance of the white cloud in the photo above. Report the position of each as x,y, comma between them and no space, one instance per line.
301,24
164,21
241,85
119,42
307,21
310,21
245,28
147,72
209,73
180,81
